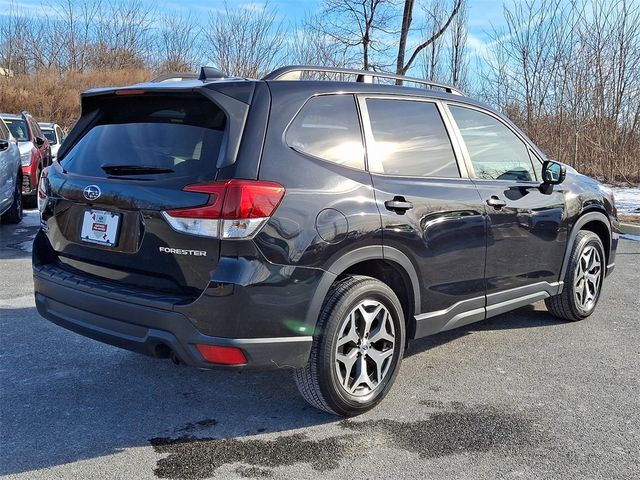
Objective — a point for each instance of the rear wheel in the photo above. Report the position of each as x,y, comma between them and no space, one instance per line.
357,351
14,214
582,281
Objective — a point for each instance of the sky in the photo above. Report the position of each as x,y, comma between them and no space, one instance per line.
483,17
482,13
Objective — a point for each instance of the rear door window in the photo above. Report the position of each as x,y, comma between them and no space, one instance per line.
410,139
328,127
51,136
177,135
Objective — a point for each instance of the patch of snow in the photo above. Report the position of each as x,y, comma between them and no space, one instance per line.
31,218
627,199
25,246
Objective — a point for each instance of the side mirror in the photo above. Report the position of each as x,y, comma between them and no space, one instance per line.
553,173
4,144
39,141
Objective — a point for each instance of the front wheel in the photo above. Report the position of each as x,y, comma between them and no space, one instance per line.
582,281
357,350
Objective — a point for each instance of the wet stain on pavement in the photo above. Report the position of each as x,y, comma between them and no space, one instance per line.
254,472
453,429
198,458
458,430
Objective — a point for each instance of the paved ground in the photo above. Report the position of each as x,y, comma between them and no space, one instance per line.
518,396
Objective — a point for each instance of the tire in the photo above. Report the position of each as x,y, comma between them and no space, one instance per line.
351,304
14,214
30,201
582,281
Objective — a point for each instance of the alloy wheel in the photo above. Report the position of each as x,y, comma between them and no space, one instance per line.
364,349
586,282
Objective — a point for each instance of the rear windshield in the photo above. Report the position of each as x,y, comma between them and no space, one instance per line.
51,136
180,135
18,129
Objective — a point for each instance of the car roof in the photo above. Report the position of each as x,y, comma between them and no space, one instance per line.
314,87
47,125
11,116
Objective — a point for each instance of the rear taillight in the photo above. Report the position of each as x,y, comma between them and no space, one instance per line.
236,209
42,190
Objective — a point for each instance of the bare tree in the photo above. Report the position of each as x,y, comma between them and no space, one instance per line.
14,40
177,43
407,19
244,41
309,45
363,25
431,64
568,74
458,59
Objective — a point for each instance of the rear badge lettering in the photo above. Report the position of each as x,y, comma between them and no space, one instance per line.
180,251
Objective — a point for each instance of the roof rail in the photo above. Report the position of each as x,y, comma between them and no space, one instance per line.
364,76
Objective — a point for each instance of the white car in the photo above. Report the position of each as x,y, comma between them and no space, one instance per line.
10,177
54,134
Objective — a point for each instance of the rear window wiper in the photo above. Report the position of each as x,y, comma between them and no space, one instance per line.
133,169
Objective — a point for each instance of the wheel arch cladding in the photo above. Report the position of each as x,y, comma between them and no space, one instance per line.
386,264
596,222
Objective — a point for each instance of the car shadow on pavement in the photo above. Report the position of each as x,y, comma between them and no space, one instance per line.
16,240
66,398
524,317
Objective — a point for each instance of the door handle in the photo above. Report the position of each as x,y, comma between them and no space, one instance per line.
398,205
496,202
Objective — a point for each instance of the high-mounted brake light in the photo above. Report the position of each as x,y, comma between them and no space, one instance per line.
235,209
129,92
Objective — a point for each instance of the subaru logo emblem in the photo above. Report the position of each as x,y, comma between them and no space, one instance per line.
91,192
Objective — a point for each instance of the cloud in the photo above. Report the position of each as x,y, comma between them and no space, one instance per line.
253,6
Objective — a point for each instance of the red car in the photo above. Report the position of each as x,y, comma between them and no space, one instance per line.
35,152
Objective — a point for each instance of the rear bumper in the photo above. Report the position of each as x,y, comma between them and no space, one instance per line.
149,330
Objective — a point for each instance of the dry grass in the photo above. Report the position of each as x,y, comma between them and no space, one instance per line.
49,96
632,219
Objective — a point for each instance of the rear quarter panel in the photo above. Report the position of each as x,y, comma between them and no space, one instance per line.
328,210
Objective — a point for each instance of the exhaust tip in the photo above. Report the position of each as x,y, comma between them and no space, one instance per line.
175,359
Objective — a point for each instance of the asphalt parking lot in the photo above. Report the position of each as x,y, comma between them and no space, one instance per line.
520,396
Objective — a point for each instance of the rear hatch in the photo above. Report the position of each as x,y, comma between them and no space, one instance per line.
130,158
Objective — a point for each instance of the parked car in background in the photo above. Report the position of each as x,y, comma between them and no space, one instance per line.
35,152
10,177
315,225
54,134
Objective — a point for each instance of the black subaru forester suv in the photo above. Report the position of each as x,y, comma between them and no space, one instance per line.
316,225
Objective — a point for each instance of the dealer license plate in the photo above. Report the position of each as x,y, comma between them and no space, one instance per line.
101,227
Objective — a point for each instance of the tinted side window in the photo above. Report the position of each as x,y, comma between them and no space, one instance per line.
410,139
35,128
327,127
496,152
